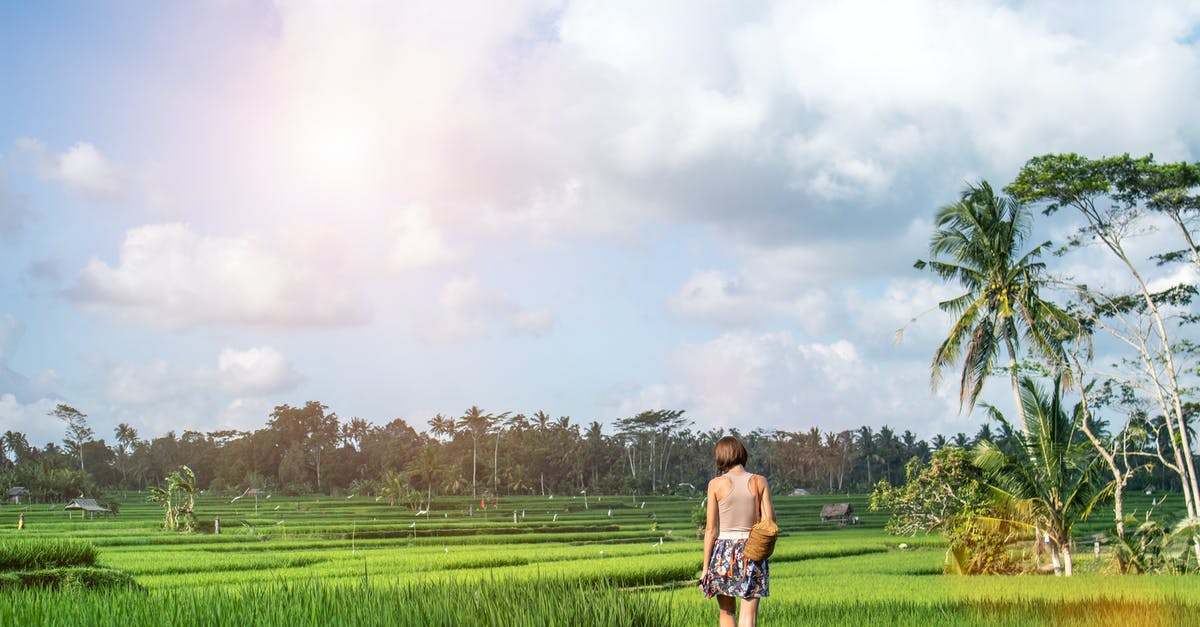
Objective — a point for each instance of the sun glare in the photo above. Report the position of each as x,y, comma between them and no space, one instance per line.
335,153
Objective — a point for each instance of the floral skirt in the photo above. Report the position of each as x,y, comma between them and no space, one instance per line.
731,574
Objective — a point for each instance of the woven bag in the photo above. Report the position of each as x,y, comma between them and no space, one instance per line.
761,543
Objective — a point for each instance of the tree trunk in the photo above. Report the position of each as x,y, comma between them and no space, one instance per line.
1054,559
1016,388
1066,559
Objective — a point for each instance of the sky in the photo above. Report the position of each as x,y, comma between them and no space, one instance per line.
592,209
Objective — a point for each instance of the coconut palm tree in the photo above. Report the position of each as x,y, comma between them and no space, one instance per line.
1051,476
497,426
126,436
978,245
441,426
476,423
427,466
866,445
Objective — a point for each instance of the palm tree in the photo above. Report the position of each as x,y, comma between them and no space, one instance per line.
442,426
428,467
126,436
980,238
497,424
1051,476
476,423
866,443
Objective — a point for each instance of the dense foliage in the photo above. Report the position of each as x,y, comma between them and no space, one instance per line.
310,449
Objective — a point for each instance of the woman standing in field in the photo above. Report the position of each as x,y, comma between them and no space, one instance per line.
736,500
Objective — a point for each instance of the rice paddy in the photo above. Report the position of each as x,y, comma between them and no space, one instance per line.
526,561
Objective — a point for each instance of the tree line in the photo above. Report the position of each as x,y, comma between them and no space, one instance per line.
309,449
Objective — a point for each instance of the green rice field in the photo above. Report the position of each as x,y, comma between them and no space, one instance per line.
611,561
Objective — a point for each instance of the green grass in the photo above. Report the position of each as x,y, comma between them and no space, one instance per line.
36,553
321,561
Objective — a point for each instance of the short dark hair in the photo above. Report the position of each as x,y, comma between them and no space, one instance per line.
728,453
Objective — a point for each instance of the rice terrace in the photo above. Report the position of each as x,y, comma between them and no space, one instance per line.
345,561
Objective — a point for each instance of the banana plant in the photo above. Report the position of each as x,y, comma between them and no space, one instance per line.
179,499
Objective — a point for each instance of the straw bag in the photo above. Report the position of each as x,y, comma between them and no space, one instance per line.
761,543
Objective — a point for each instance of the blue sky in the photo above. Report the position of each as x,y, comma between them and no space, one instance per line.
586,208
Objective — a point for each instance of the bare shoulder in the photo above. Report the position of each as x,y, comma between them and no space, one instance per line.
760,482
719,487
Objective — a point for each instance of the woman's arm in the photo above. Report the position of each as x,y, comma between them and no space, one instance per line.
710,527
766,509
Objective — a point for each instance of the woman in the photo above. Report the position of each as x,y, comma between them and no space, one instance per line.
736,500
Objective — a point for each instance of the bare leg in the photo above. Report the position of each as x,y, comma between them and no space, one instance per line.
727,606
748,613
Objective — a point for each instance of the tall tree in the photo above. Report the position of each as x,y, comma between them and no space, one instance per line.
306,429
126,436
442,427
1115,196
476,423
978,245
78,431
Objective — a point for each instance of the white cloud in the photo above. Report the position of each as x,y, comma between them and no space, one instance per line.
771,380
25,389
81,168
783,124
163,395
251,372
32,419
470,311
255,371
169,275
418,243
131,384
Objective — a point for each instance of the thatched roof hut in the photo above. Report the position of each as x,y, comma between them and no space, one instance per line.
836,511
86,507
15,494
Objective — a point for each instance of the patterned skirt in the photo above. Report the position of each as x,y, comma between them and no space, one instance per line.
731,574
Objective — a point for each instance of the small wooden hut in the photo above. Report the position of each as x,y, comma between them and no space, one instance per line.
841,513
86,508
16,494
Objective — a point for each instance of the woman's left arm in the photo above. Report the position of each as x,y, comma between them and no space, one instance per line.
766,509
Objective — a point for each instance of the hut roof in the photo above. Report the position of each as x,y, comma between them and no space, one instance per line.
833,510
87,505
18,491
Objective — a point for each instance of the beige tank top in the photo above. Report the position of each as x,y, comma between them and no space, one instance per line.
738,510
